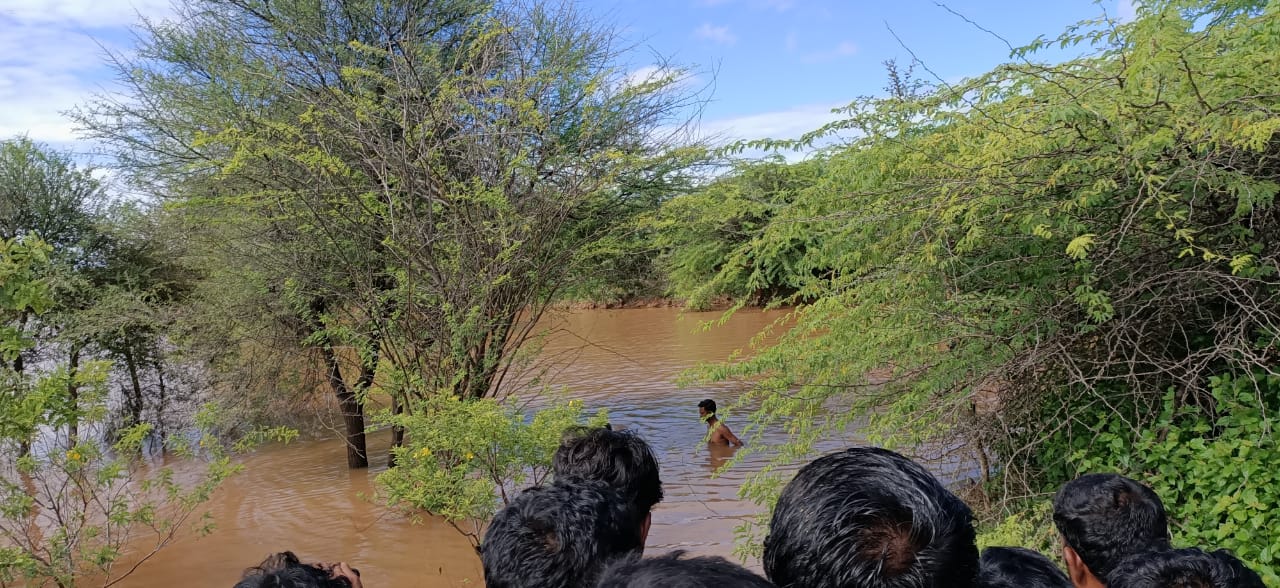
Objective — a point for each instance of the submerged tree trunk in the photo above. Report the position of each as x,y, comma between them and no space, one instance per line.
133,396
352,411
73,396
397,432
160,405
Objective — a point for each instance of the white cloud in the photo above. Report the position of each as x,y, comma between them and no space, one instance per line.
782,124
51,62
716,34
842,49
658,73
778,5
90,14
1126,10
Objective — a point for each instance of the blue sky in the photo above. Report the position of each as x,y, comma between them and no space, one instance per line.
771,68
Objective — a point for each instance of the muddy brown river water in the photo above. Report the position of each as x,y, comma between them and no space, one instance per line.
301,497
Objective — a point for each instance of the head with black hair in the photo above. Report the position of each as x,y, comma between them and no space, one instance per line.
870,518
707,407
1016,567
676,571
1183,568
559,536
1104,518
621,459
285,570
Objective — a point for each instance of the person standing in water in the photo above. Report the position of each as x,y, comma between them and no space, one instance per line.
718,432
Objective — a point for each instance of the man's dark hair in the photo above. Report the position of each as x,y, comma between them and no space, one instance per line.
559,536
1016,567
621,459
284,570
708,404
1108,517
868,517
1183,568
675,571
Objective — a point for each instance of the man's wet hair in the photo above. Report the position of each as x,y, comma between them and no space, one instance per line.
621,459
1183,568
1108,517
676,571
285,570
870,518
559,536
708,404
1016,567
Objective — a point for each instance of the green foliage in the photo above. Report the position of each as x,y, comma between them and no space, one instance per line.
70,506
1030,526
461,456
1211,465
398,190
719,241
992,265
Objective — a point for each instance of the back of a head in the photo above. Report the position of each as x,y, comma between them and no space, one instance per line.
283,570
708,405
1105,518
675,571
621,459
1016,567
1183,568
559,536
868,517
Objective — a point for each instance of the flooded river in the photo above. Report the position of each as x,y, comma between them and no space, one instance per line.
301,497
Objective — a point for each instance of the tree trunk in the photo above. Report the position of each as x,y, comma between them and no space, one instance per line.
352,411
397,432
73,396
134,399
160,406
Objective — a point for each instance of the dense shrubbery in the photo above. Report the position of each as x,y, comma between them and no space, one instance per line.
1032,252
460,454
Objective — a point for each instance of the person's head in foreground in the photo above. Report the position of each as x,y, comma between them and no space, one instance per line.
619,458
285,570
559,536
869,518
1183,568
675,571
1016,567
1104,518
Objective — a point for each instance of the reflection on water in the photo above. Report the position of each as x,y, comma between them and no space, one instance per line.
719,454
303,498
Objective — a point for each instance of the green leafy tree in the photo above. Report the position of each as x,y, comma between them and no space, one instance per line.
411,184
712,238
70,509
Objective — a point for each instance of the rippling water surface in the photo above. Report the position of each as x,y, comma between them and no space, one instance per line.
302,497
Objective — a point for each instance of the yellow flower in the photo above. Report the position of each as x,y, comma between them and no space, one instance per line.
73,455
470,455
424,452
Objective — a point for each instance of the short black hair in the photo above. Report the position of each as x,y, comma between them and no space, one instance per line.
1108,517
285,570
869,517
1183,568
559,536
1017,567
675,571
621,459
708,404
